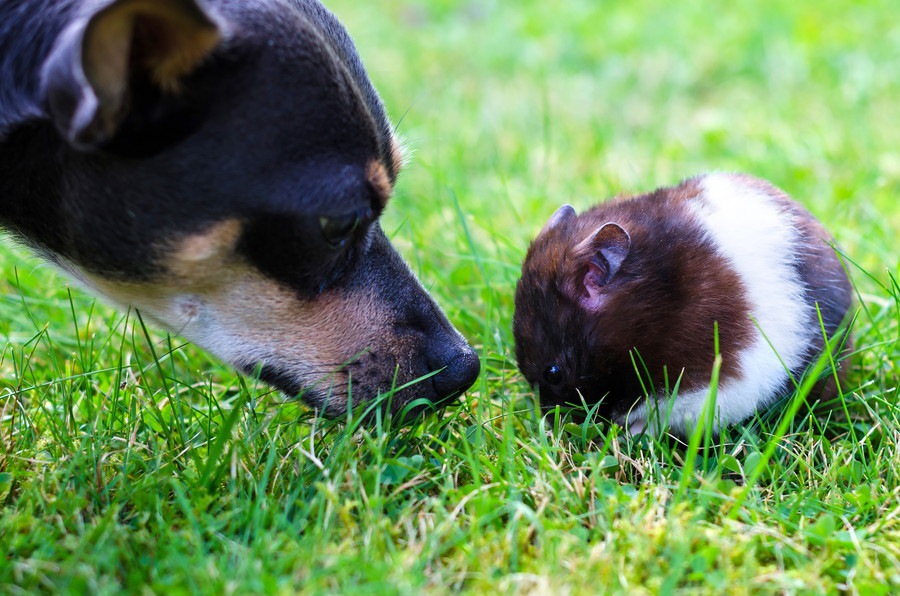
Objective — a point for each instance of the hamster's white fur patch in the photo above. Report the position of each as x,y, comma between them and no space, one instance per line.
760,241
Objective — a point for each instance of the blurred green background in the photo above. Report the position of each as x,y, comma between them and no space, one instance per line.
511,108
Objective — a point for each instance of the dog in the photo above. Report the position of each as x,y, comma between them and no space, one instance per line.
221,166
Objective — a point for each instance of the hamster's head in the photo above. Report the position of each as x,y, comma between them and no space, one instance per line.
572,312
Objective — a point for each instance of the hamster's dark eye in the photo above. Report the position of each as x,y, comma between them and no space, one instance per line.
336,229
553,374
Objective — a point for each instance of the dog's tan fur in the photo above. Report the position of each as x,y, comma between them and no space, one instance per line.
212,296
380,181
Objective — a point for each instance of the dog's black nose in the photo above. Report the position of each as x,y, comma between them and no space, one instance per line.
461,368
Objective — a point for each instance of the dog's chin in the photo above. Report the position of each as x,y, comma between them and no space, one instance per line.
337,397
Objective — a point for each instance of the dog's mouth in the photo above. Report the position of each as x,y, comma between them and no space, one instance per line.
336,393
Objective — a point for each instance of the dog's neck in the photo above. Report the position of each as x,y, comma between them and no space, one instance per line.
27,34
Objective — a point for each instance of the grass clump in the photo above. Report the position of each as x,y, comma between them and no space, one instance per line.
130,461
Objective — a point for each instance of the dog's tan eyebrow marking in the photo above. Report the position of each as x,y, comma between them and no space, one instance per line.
196,255
396,156
380,181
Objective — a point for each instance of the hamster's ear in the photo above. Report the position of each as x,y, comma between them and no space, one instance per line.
599,258
85,80
562,215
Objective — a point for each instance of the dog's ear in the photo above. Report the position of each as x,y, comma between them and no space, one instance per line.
86,79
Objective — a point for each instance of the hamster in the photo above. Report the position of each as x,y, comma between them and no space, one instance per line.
642,283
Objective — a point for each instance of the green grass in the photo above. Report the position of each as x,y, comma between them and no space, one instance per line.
130,461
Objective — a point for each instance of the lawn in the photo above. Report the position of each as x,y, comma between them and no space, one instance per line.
132,461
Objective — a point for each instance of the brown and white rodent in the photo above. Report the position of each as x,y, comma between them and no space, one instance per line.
645,283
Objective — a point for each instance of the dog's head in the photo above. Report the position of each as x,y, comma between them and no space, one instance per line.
222,167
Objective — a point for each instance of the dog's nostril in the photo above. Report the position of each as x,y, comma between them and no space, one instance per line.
458,375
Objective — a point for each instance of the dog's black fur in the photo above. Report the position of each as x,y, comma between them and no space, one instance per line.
221,166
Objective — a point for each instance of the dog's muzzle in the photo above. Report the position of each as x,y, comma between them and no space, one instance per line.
460,370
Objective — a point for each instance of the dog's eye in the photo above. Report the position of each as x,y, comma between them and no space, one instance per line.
553,374
338,229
